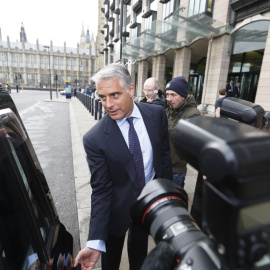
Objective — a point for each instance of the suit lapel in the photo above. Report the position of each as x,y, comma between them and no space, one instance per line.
116,143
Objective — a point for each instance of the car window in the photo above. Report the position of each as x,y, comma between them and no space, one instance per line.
24,218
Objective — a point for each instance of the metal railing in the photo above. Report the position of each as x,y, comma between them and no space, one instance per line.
93,105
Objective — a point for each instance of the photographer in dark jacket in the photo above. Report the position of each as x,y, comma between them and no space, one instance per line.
152,94
180,106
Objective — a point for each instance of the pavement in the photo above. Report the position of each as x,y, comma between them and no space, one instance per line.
81,121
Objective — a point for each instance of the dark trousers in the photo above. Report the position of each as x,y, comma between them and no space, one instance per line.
137,250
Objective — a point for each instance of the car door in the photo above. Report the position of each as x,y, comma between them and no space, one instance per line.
31,235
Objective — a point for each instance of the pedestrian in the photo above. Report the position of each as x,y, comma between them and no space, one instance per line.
218,103
118,172
237,90
8,88
180,105
93,91
75,91
152,93
230,89
87,90
17,88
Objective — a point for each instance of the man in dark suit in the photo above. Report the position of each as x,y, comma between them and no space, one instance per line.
230,89
114,175
237,90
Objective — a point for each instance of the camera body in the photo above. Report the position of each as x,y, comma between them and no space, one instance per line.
235,158
236,196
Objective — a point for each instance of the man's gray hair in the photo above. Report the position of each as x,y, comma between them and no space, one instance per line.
156,82
114,70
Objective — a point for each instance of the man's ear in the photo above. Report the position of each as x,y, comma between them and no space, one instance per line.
132,89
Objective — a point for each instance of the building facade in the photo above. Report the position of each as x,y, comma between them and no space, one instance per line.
43,66
209,42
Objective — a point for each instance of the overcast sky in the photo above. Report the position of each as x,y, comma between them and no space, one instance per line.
57,20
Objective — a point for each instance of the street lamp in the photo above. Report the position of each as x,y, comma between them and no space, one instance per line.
48,47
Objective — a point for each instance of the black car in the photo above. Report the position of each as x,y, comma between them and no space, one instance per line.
31,234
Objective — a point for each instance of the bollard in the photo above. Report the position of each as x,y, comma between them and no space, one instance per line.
100,110
96,109
92,109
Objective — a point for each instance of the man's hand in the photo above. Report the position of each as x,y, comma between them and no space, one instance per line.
88,257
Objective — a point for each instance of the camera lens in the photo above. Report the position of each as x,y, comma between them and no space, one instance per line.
161,210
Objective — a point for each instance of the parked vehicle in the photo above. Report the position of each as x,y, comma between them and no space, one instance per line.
31,234
63,92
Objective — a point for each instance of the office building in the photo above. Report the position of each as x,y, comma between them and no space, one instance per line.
209,42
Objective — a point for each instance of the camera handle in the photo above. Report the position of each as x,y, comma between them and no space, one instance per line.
202,256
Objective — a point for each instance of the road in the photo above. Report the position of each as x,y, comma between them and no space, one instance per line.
48,126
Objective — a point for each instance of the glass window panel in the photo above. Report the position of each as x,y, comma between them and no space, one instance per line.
28,61
251,37
42,62
21,60
68,64
35,61
14,62
74,64
55,66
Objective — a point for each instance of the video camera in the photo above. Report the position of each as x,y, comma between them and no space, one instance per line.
236,196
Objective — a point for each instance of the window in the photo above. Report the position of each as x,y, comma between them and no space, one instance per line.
148,21
6,59
93,66
41,62
48,62
35,61
74,65
55,66
29,79
36,79
199,6
168,8
81,65
14,62
20,199
62,63
21,60
86,65
28,61
43,80
68,64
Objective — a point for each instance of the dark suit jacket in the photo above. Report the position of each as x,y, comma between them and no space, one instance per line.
230,91
237,91
113,176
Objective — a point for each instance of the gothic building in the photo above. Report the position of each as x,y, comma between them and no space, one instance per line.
36,65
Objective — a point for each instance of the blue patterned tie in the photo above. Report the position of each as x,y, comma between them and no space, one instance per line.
136,152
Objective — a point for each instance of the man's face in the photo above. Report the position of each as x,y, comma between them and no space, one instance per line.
231,82
174,99
148,89
117,102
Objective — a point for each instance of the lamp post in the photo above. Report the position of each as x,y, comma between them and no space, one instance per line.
48,47
121,28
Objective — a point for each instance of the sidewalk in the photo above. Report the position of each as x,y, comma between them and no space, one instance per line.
80,122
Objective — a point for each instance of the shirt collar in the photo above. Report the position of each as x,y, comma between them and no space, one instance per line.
135,113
